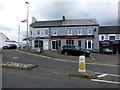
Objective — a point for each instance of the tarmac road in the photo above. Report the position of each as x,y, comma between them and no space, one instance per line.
53,73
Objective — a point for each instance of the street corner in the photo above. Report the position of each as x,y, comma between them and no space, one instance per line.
86,74
17,65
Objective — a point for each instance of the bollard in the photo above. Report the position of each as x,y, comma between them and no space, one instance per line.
82,67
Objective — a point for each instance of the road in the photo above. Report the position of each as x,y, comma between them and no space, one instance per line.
53,73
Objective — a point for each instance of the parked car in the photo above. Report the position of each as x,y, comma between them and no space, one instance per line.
10,46
74,50
1,50
106,51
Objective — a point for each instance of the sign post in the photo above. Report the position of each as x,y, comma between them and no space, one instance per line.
82,67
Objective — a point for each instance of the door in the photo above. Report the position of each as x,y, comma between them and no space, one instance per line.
55,45
79,43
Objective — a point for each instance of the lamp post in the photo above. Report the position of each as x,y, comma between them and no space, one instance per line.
27,23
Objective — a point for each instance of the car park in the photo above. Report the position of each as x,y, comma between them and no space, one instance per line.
74,50
10,46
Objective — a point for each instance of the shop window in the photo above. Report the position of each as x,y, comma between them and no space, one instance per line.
89,44
70,42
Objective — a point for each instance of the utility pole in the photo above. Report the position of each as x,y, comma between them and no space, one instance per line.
18,36
27,23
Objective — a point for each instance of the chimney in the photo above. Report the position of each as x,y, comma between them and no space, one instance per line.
63,18
34,19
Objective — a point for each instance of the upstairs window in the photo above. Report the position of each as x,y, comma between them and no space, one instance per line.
89,32
46,32
54,32
117,37
69,32
106,37
38,32
79,31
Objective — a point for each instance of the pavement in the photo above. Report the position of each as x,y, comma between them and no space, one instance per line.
97,58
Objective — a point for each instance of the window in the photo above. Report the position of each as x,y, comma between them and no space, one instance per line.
54,32
79,31
106,37
70,42
30,32
117,36
112,37
102,38
69,32
38,32
46,32
89,32
88,44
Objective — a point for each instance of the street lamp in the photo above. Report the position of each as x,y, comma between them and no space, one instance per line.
27,22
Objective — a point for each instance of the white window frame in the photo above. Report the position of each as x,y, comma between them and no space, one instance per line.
79,30
117,35
91,44
69,32
39,32
54,32
107,37
47,33
88,31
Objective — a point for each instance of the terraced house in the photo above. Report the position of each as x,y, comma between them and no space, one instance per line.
53,34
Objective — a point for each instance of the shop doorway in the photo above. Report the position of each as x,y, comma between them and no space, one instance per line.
56,44
38,43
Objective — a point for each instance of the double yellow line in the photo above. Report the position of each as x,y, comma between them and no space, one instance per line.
67,60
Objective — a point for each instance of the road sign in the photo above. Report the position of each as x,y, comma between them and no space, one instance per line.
82,67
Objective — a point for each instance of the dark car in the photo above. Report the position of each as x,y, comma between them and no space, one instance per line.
10,46
74,50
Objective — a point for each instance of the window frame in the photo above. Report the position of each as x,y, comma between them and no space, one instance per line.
88,31
54,32
70,30
79,30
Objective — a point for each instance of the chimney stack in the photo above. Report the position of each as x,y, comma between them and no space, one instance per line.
34,19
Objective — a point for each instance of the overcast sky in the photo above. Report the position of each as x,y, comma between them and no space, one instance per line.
13,11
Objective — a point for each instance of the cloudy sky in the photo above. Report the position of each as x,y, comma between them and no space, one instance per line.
13,11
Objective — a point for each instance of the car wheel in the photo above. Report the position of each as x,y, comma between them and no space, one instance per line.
66,53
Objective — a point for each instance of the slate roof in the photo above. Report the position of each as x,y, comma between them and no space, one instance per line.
55,23
109,30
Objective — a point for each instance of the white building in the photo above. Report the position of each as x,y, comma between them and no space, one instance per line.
3,38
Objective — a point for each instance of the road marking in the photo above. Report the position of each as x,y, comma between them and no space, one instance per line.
68,60
104,81
108,74
103,75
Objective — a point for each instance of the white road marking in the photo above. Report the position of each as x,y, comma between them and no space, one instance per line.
15,57
103,75
104,81
55,72
108,74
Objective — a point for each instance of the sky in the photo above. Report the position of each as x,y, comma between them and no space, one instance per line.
13,11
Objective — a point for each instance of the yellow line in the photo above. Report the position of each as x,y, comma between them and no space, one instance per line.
68,60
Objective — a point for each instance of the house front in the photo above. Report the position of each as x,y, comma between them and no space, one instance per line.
54,34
